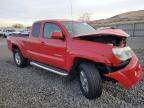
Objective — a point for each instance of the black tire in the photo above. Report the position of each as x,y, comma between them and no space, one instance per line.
94,82
23,61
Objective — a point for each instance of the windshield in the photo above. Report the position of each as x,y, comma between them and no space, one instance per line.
77,28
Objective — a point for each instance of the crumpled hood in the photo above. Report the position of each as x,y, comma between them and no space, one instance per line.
109,31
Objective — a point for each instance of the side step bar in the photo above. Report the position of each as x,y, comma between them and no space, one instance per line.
49,68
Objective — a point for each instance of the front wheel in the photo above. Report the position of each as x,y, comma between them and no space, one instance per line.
90,80
19,60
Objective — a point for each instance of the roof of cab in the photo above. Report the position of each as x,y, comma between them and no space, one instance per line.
54,20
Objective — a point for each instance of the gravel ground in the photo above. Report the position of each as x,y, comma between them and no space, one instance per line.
36,88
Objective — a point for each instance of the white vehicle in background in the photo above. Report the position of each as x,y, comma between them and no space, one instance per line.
8,32
14,33
1,32
25,32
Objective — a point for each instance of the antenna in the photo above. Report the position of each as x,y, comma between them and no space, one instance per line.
71,5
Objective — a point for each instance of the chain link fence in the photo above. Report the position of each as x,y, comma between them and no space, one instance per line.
134,29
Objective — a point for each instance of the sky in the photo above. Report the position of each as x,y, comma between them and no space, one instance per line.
28,11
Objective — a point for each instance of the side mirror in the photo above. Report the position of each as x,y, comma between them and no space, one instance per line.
56,35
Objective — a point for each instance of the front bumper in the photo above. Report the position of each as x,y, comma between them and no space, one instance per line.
129,75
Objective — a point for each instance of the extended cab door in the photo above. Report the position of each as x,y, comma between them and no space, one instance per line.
53,50
34,42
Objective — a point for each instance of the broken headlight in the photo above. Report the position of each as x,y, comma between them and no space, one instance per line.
123,54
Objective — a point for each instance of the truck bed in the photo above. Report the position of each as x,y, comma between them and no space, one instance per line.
20,35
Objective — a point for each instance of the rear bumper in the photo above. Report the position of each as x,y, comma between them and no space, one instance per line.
129,75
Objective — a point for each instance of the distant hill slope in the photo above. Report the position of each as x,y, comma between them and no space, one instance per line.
124,17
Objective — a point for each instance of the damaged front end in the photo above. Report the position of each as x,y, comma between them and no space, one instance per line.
124,67
110,36
127,74
106,39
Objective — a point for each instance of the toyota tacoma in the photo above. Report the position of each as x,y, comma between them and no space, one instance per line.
75,49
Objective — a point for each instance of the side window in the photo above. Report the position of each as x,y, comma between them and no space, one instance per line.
36,29
49,28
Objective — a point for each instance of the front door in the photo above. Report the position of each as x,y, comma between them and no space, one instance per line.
53,50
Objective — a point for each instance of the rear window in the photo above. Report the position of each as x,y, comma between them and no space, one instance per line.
36,29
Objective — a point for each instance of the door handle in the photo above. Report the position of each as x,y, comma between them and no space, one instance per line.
42,42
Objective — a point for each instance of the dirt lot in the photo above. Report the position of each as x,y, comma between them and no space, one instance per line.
36,88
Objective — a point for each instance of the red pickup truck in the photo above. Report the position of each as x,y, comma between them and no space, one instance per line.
71,48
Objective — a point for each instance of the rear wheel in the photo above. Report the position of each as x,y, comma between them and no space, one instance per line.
90,80
19,60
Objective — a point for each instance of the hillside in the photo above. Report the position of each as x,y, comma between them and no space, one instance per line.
124,17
